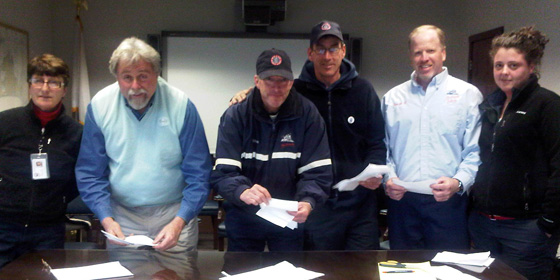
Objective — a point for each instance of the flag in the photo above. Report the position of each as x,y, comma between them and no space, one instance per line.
80,80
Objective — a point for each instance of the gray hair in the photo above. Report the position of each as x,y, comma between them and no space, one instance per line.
132,50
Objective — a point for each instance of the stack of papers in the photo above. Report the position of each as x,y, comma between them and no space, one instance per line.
131,240
280,271
372,170
476,262
91,272
275,212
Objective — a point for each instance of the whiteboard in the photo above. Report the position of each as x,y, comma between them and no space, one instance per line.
210,69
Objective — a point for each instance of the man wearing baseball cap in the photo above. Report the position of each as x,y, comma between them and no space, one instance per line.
272,146
352,112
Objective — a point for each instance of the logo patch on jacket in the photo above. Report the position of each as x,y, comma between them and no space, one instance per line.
287,141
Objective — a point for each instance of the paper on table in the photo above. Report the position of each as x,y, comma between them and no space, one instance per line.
372,170
131,240
275,212
421,272
91,272
280,271
474,259
422,187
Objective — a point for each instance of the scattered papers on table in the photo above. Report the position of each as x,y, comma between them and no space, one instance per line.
474,259
91,272
372,170
445,272
416,271
275,212
280,271
131,240
422,187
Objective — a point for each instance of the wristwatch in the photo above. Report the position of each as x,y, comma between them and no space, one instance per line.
460,185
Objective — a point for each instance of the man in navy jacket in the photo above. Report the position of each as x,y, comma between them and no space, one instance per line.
272,146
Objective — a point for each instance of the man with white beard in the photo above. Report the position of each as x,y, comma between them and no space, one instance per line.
144,163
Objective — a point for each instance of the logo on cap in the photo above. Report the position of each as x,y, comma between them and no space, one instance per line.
326,26
276,60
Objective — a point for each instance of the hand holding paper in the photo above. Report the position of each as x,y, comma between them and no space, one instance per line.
276,212
372,170
131,240
256,195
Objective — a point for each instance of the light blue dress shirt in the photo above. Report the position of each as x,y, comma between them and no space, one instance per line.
433,133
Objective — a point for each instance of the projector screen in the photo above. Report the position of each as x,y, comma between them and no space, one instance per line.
211,67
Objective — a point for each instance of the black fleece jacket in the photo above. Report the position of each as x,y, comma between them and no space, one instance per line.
355,127
22,199
520,172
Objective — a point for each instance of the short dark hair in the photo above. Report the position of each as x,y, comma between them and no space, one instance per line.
529,41
50,65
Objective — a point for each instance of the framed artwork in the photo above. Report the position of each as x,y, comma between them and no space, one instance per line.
14,51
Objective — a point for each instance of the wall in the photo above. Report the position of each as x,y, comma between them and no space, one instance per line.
385,60
33,16
383,25
544,14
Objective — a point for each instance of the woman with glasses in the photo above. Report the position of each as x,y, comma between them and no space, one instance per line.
39,145
516,195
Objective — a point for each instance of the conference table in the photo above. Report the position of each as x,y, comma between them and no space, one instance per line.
149,264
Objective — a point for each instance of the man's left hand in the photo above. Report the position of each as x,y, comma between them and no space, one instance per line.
444,188
167,238
304,208
372,183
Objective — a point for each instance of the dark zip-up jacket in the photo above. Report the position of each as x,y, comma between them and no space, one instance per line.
22,199
355,126
520,172
289,155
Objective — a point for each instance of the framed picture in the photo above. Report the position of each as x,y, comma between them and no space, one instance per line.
14,52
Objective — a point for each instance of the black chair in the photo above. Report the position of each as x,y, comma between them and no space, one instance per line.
81,222
212,208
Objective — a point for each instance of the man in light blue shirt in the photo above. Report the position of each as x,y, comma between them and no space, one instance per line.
144,164
432,129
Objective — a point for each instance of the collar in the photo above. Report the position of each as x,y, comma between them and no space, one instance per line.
437,80
290,108
46,117
498,97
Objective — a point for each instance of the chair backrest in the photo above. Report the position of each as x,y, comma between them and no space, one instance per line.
77,206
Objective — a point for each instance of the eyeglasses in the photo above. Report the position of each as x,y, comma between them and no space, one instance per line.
333,50
38,83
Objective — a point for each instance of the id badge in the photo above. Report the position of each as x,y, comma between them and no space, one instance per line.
39,166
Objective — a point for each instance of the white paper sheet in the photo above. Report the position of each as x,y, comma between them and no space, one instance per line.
372,170
422,187
474,259
275,212
280,271
131,240
91,272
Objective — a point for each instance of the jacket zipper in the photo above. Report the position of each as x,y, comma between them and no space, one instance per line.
40,148
331,141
